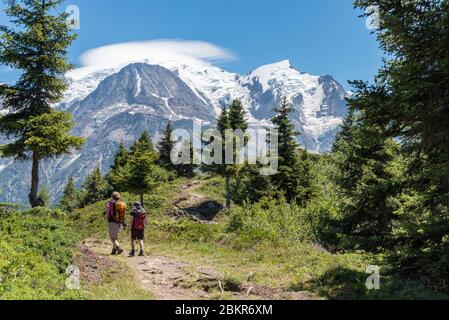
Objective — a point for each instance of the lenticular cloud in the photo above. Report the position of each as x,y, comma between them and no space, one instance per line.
155,51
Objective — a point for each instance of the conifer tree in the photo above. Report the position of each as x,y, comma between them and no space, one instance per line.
366,181
142,145
293,176
143,174
70,199
223,124
37,46
118,168
165,148
47,135
409,102
237,116
96,187
120,158
233,120
187,170
250,186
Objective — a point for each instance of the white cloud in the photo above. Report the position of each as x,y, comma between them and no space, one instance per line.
155,52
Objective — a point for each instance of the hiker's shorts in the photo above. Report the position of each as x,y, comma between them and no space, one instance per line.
115,229
137,234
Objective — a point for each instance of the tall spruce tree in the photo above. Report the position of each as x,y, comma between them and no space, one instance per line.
237,116
38,48
230,120
238,122
165,147
293,177
143,145
250,186
223,124
118,168
410,101
120,158
142,174
70,198
367,183
96,187
47,135
187,170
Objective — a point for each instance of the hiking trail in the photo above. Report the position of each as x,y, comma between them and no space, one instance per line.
167,278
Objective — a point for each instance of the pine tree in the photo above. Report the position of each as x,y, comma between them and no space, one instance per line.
38,48
366,181
409,101
250,186
70,199
120,158
143,174
118,168
165,148
187,170
233,120
224,122
237,118
142,145
47,135
293,176
96,187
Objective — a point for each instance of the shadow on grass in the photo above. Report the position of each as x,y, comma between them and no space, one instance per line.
207,210
341,283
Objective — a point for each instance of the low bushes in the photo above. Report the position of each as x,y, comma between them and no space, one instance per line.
269,220
35,250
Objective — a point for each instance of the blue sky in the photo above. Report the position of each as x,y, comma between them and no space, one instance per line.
317,36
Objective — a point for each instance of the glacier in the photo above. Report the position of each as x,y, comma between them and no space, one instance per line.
115,104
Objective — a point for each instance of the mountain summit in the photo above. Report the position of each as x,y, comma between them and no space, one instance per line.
115,105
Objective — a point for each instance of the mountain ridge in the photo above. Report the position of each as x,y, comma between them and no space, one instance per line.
116,104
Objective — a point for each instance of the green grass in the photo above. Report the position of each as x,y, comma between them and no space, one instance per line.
35,249
270,250
213,188
292,266
90,221
118,288
117,285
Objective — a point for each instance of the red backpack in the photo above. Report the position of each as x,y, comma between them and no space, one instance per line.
139,220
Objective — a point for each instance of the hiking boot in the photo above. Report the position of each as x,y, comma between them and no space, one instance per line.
119,251
114,252
132,253
141,253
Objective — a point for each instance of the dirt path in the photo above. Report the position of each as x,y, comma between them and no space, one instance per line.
163,276
170,279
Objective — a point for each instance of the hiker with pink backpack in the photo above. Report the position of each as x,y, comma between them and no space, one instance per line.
115,214
137,227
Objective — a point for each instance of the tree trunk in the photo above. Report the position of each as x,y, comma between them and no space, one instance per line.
35,201
141,200
228,192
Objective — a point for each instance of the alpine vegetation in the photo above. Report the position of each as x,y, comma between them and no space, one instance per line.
38,47
276,184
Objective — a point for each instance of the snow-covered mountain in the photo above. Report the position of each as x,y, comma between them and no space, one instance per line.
116,104
319,101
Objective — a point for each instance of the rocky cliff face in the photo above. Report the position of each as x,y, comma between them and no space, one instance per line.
116,105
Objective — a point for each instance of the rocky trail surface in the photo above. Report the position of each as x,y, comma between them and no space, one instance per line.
167,278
